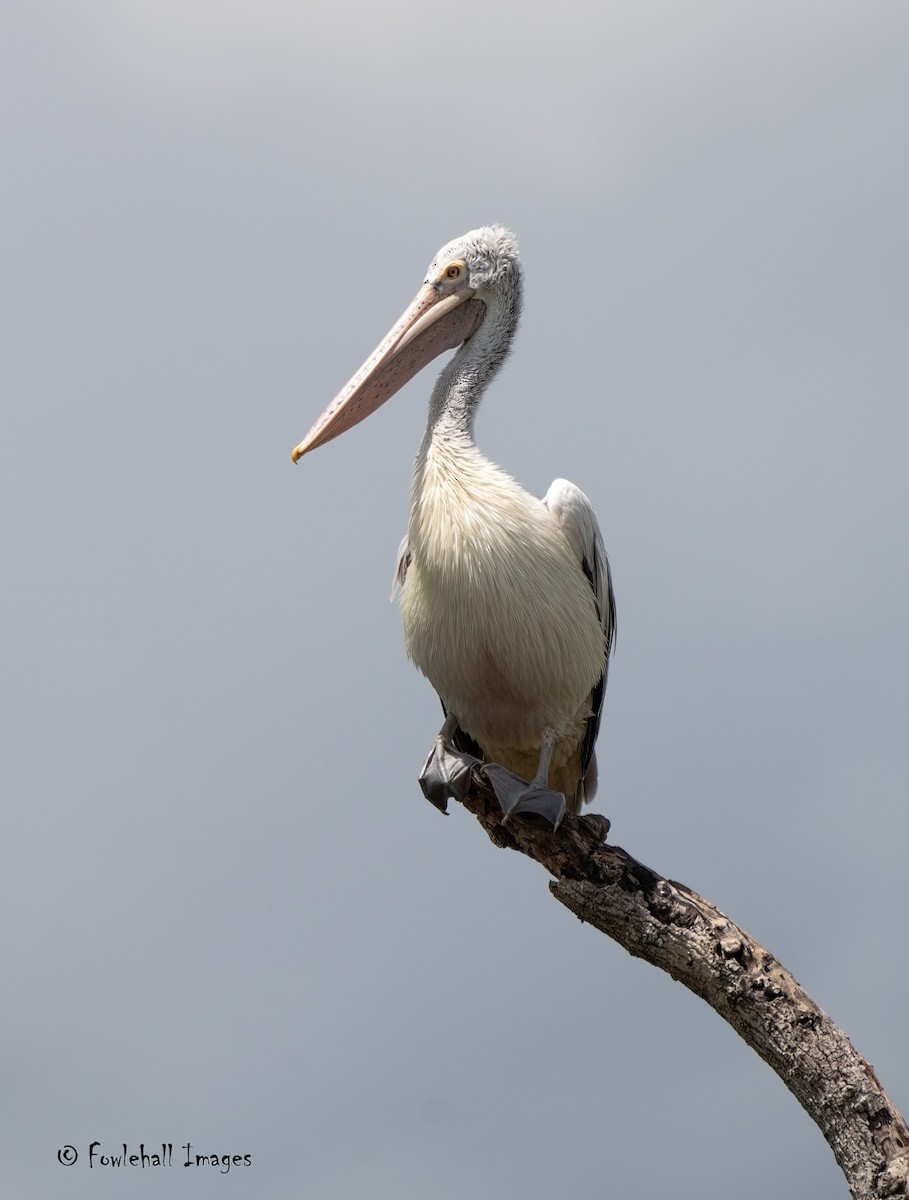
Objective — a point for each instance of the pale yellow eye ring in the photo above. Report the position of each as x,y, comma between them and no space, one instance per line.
453,272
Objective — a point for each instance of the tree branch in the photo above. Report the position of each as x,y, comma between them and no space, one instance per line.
680,932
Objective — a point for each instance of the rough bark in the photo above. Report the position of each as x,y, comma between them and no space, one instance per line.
680,932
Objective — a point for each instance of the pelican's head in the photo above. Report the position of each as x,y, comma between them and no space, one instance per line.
463,278
485,260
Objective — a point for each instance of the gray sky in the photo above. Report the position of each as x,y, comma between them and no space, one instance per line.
231,918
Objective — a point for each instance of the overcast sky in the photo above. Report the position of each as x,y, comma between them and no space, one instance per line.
231,919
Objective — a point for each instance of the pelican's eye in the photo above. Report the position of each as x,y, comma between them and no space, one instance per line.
454,272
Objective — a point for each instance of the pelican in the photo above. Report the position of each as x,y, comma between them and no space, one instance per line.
506,600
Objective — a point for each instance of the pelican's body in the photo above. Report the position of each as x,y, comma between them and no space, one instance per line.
497,612
506,600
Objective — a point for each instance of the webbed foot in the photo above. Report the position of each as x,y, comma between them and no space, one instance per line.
446,774
515,795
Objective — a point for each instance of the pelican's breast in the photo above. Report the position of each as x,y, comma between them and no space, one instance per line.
497,612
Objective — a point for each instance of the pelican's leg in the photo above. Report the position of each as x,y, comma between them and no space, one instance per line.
515,796
447,772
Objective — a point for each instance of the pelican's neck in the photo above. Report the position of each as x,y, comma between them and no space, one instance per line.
462,382
450,471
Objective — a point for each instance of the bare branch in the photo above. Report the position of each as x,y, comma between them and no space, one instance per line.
680,932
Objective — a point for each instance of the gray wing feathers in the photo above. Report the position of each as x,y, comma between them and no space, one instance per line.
578,522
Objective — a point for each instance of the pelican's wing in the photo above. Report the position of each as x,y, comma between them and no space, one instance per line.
401,566
578,522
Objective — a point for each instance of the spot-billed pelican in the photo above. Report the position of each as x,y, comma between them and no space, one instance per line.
506,601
